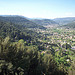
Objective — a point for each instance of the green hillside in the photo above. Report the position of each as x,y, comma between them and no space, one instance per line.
20,20
44,22
70,25
16,32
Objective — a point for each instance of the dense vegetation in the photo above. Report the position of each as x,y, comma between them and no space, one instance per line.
34,51
16,32
18,58
20,21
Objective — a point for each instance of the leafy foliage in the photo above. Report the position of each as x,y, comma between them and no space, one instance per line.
25,61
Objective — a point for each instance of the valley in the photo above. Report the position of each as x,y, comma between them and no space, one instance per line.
36,47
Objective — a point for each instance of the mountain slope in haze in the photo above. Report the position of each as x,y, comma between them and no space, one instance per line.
70,25
63,21
44,22
20,20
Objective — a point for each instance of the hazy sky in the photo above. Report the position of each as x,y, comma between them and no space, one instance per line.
38,8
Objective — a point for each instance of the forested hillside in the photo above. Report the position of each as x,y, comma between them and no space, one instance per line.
20,20
21,52
63,21
16,32
34,51
44,22
70,25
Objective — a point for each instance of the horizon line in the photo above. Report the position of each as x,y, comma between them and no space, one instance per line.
37,17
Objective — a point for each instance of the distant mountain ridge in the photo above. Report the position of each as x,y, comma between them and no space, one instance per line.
44,22
63,21
36,23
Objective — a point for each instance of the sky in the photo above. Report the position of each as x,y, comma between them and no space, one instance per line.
38,8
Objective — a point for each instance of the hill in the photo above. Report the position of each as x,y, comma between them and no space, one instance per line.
44,22
16,32
20,20
70,25
63,21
